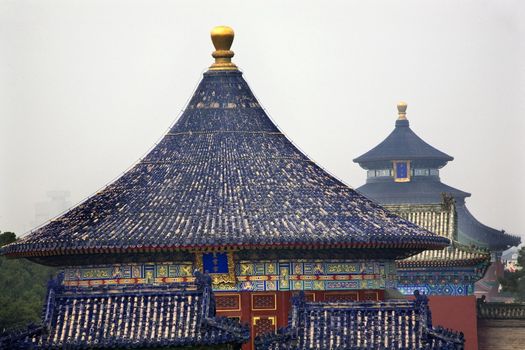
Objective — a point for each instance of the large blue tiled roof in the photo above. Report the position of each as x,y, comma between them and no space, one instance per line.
223,176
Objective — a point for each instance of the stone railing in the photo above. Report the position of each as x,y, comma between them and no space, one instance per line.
501,310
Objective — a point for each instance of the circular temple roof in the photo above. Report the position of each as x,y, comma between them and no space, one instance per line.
403,144
224,177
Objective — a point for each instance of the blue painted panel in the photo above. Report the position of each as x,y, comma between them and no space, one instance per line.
215,262
401,170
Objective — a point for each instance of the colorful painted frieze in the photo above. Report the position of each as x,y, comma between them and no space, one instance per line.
270,275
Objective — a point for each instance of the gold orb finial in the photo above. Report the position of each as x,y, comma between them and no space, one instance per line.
402,110
222,38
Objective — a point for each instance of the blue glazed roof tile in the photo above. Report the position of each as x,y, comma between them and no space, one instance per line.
395,324
170,315
223,176
413,192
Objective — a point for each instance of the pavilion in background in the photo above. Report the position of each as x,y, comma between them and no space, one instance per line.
403,175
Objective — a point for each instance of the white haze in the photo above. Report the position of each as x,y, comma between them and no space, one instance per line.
87,87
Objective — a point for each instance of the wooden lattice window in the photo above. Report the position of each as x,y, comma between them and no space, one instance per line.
341,297
263,325
309,296
371,296
229,302
264,302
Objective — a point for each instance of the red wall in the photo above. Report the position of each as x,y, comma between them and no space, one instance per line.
454,312
274,314
457,313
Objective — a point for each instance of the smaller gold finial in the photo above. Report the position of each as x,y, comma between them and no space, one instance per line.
222,38
402,110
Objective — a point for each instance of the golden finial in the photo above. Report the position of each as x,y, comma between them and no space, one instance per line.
402,110
222,38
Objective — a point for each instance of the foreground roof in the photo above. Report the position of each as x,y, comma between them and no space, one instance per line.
223,176
395,324
172,315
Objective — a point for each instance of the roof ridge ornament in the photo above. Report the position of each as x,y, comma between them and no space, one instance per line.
402,110
222,38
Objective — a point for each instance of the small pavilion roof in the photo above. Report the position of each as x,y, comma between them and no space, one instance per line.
224,176
403,144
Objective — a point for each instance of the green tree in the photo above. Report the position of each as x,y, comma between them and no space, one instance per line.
6,238
514,282
23,287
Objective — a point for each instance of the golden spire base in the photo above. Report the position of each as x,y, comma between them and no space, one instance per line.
402,110
222,38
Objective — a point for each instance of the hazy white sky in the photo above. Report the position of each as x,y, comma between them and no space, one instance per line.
87,87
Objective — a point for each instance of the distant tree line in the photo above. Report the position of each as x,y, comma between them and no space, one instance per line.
23,287
514,282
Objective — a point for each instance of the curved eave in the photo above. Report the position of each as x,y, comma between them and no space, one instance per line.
415,191
473,231
400,156
433,243
442,263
